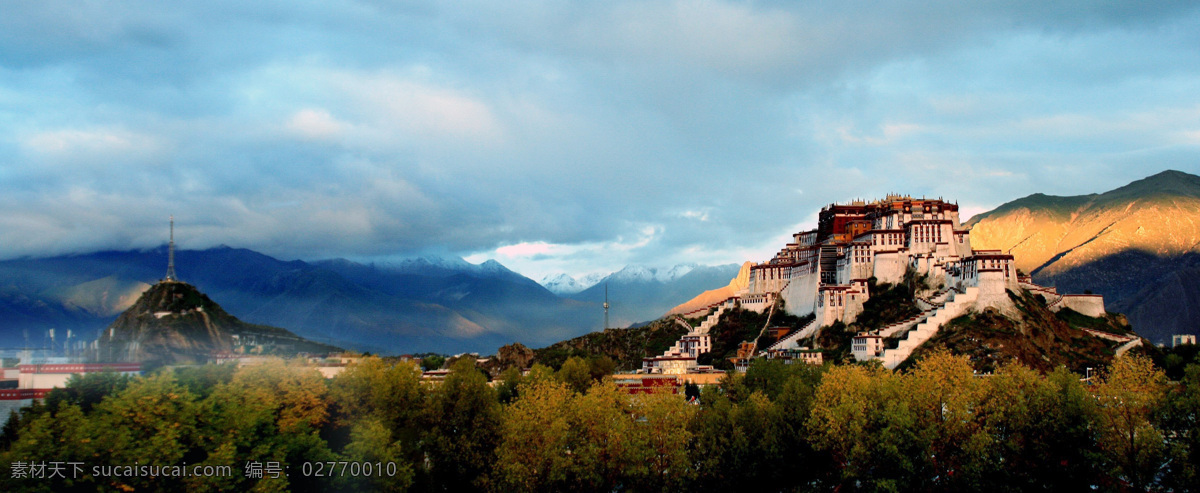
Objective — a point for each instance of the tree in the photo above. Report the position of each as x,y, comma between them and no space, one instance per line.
372,388
462,429
371,441
662,431
1182,417
60,434
534,452
861,417
1129,394
576,373
509,380
433,362
943,395
1041,428
152,421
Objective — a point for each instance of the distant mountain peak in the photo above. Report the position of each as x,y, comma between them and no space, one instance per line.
561,284
1169,182
641,273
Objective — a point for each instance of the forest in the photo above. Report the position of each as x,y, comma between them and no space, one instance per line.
937,426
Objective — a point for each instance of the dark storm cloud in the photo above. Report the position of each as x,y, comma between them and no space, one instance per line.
565,136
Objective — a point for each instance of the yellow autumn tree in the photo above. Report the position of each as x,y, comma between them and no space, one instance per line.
1128,395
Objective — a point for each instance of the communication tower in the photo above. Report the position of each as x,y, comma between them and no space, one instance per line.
606,306
171,253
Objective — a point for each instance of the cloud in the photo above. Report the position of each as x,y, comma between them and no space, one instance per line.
92,145
573,136
315,124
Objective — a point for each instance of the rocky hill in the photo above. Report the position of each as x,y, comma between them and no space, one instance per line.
626,347
1036,337
1138,245
173,322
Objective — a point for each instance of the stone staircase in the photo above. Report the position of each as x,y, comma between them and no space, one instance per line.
956,305
791,341
715,317
904,325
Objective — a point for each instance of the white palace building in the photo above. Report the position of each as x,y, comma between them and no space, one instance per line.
825,271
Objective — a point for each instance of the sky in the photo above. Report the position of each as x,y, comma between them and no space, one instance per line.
559,136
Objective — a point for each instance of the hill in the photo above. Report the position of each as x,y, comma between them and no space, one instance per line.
1138,245
173,322
1037,338
626,347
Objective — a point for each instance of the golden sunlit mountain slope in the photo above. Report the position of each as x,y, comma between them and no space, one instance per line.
1131,244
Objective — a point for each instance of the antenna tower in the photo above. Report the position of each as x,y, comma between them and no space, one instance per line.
606,306
171,253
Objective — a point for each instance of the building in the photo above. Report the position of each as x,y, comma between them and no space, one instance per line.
866,346
35,380
648,384
1181,339
826,271
800,355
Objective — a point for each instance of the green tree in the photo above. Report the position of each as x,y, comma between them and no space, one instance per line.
152,421
272,412
61,434
508,382
1041,427
462,429
862,418
433,362
89,389
1182,418
371,441
662,428
576,373
943,394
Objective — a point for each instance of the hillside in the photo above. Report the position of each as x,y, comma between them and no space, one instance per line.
1038,338
173,322
626,347
1138,245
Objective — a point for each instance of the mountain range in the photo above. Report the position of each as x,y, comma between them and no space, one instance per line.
1138,245
423,304
639,294
417,305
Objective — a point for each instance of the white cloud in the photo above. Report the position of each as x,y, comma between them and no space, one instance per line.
315,124
71,146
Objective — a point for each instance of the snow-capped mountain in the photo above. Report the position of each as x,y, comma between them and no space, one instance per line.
563,284
641,273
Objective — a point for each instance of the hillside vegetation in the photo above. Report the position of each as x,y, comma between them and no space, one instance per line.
1040,339
625,347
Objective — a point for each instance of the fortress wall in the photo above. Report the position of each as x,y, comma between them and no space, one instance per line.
889,267
1091,305
800,296
993,291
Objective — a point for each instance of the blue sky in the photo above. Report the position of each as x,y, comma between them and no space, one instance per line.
565,136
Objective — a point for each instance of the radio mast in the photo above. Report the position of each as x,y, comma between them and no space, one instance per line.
605,306
171,253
